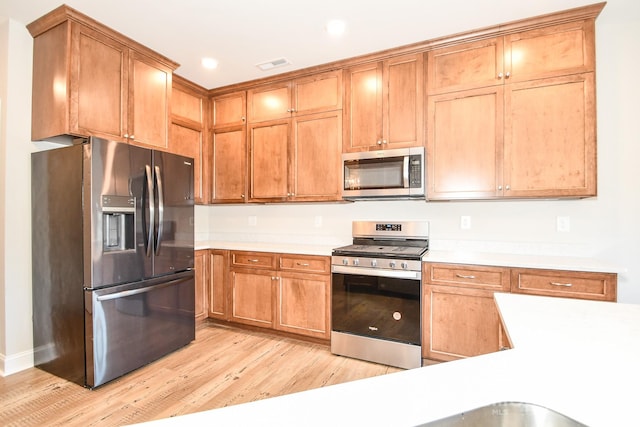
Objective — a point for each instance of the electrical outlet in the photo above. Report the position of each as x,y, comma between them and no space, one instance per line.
563,224
253,220
317,221
465,222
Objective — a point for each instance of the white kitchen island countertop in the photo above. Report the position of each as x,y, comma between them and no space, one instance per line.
579,358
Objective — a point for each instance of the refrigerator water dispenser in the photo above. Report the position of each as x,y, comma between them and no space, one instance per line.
118,220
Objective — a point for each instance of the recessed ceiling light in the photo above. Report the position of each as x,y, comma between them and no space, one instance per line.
209,63
280,62
336,27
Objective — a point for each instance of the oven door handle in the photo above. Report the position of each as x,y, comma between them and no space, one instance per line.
396,274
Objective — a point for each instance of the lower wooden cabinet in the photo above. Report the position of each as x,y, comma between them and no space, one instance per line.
285,292
459,323
460,318
202,278
219,295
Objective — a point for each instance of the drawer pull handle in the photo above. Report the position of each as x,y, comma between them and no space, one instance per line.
252,260
462,276
566,285
303,264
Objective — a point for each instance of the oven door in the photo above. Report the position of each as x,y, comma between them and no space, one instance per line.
377,303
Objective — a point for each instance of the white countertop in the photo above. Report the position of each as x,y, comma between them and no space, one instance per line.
287,248
522,260
444,256
579,358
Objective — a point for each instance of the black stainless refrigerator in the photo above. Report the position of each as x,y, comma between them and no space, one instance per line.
113,258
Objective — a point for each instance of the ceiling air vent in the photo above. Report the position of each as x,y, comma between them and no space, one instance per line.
280,62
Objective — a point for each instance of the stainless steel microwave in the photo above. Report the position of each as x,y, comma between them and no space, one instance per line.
384,174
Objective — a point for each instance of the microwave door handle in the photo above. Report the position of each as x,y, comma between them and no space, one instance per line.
160,226
150,205
405,171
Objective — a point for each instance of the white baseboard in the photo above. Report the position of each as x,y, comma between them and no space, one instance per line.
15,362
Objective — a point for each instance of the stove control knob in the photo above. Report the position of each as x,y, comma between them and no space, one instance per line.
345,261
392,264
374,263
404,265
356,261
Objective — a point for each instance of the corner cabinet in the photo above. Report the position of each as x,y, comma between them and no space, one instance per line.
89,80
384,104
459,315
523,105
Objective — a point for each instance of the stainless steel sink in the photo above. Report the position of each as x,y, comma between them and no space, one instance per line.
503,414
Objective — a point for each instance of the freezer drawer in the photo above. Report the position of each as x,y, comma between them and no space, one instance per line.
129,326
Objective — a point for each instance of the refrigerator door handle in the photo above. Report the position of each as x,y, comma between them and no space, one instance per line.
141,290
150,203
160,227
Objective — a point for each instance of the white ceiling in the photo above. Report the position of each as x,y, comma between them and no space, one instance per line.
243,33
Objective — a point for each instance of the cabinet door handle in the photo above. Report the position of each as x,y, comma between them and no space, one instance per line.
566,285
462,276
507,74
500,75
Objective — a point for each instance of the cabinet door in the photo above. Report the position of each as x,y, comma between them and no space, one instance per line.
269,102
550,137
229,110
189,142
458,323
316,162
269,161
402,91
149,100
218,261
317,93
303,304
229,165
201,259
363,108
99,75
465,66
253,297
464,144
552,51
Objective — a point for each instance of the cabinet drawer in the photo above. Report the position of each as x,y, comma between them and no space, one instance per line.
253,259
571,284
467,276
305,263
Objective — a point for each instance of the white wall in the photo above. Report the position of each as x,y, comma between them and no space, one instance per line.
605,227
16,344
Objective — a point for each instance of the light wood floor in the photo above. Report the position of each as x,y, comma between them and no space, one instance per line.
223,366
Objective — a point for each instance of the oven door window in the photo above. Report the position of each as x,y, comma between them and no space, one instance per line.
377,307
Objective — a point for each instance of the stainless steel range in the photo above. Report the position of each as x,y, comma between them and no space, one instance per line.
376,293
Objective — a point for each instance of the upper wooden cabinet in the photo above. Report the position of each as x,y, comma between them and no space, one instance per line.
296,159
188,131
513,116
305,95
384,104
229,110
543,52
89,80
228,159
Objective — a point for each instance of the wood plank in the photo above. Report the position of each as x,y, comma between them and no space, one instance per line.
223,366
